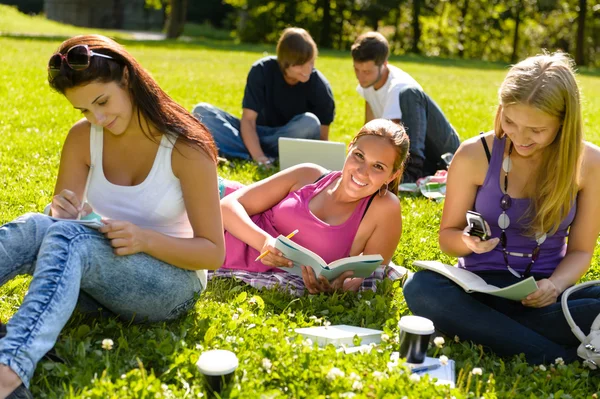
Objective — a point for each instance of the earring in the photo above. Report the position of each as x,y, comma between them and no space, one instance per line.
381,194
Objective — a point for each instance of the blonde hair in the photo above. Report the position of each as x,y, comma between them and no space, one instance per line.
547,82
395,134
295,47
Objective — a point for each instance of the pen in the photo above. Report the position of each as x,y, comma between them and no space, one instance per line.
85,191
293,233
426,368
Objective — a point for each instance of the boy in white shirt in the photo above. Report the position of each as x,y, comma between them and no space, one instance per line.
391,93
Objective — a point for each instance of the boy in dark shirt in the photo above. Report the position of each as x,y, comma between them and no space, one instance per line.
285,96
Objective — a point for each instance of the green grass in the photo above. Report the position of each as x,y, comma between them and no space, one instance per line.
158,360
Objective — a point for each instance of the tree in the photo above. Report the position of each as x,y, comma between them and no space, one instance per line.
416,26
515,53
325,38
176,11
580,45
176,19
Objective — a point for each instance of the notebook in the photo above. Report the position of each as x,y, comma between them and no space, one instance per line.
445,374
328,154
340,335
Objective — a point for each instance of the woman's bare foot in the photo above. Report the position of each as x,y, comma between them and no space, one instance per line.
9,381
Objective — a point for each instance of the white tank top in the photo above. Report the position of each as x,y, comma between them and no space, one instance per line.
155,204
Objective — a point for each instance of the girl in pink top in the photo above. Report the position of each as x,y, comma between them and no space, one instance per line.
338,214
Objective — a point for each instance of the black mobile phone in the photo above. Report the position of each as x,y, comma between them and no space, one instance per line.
477,224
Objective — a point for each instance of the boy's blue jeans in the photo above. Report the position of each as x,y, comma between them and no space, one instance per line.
507,327
225,129
430,133
66,258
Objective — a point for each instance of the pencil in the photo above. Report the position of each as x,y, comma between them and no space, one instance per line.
85,191
293,233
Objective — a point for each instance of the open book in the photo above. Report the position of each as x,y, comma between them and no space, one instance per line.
471,282
362,265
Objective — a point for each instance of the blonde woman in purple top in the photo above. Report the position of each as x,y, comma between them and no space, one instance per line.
339,214
535,181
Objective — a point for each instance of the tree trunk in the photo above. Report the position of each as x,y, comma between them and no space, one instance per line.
464,10
396,40
416,26
325,40
580,46
176,19
515,54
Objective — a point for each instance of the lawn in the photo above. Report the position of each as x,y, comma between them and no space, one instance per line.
158,360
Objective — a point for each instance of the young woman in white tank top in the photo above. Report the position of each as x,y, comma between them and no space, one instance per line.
144,164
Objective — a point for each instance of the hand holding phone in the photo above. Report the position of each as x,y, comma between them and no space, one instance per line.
477,226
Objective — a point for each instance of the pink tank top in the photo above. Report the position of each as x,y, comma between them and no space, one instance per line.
329,242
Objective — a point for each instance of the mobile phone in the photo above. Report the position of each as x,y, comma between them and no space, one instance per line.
478,226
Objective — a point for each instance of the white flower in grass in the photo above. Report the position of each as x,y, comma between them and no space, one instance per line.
392,365
542,367
251,326
266,364
456,339
313,318
559,361
274,330
357,385
335,373
235,316
443,360
291,314
395,356
307,342
252,301
414,377
368,303
477,371
107,344
123,376
385,337
347,395
439,341
378,375
326,323
354,376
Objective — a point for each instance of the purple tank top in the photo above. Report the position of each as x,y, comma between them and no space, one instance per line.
487,202
329,242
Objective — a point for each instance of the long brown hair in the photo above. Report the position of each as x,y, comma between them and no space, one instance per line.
395,134
157,108
547,82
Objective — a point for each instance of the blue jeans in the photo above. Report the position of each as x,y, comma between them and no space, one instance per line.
65,258
430,133
506,327
225,129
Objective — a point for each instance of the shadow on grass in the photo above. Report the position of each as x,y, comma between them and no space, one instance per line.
194,43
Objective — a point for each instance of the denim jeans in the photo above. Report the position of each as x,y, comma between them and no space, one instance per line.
225,129
65,258
430,133
506,327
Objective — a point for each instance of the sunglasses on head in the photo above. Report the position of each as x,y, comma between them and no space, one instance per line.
77,58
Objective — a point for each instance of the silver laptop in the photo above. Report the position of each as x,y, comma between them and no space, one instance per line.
328,154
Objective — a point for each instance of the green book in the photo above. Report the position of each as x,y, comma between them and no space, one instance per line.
471,282
361,265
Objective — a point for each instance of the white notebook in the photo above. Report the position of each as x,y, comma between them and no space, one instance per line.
445,374
340,335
